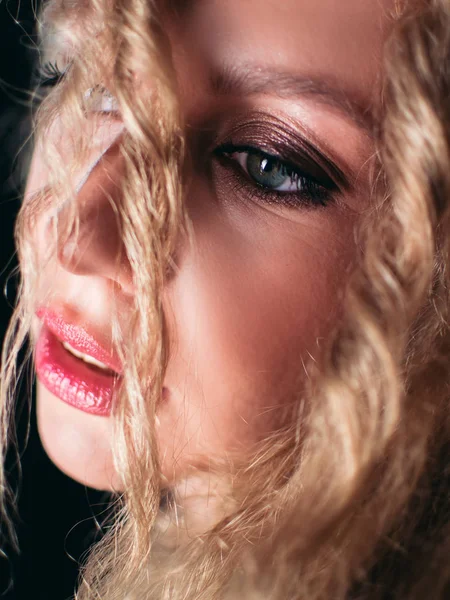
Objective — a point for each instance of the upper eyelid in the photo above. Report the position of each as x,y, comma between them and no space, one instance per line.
270,127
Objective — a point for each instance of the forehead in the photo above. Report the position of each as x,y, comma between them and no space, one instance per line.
307,31
339,37
337,43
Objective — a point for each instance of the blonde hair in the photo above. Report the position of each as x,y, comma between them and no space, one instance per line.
351,500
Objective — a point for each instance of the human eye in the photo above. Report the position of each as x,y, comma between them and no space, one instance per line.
276,180
96,99
271,159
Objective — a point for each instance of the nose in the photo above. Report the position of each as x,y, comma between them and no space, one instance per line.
92,245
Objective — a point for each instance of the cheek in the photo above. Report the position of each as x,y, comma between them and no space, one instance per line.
248,307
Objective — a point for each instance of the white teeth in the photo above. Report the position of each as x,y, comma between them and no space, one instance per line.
85,357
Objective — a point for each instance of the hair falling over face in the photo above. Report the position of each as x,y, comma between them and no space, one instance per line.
350,497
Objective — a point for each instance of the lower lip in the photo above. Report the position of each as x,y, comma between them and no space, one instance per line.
69,378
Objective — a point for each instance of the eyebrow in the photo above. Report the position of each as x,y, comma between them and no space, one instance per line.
247,80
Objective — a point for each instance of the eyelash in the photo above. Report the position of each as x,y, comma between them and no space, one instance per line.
48,75
310,191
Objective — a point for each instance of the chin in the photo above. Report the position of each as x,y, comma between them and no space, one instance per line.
78,443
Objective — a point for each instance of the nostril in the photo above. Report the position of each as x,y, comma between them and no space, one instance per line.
123,278
93,249
122,286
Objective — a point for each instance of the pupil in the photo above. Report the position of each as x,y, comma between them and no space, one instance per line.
267,165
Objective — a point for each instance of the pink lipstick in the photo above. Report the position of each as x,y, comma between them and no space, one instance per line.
74,366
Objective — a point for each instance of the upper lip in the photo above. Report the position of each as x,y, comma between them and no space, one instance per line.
78,337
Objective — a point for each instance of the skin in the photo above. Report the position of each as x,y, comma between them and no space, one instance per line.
252,300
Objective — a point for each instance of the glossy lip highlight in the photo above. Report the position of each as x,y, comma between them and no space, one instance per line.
78,338
74,381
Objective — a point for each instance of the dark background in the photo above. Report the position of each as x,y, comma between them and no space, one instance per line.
55,523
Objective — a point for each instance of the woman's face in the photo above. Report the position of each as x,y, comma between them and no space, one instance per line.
274,239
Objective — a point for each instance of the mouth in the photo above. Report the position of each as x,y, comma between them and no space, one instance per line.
89,360
74,367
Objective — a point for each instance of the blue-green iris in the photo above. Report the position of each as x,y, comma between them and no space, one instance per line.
266,170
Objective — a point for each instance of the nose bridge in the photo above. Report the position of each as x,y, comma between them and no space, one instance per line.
92,244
